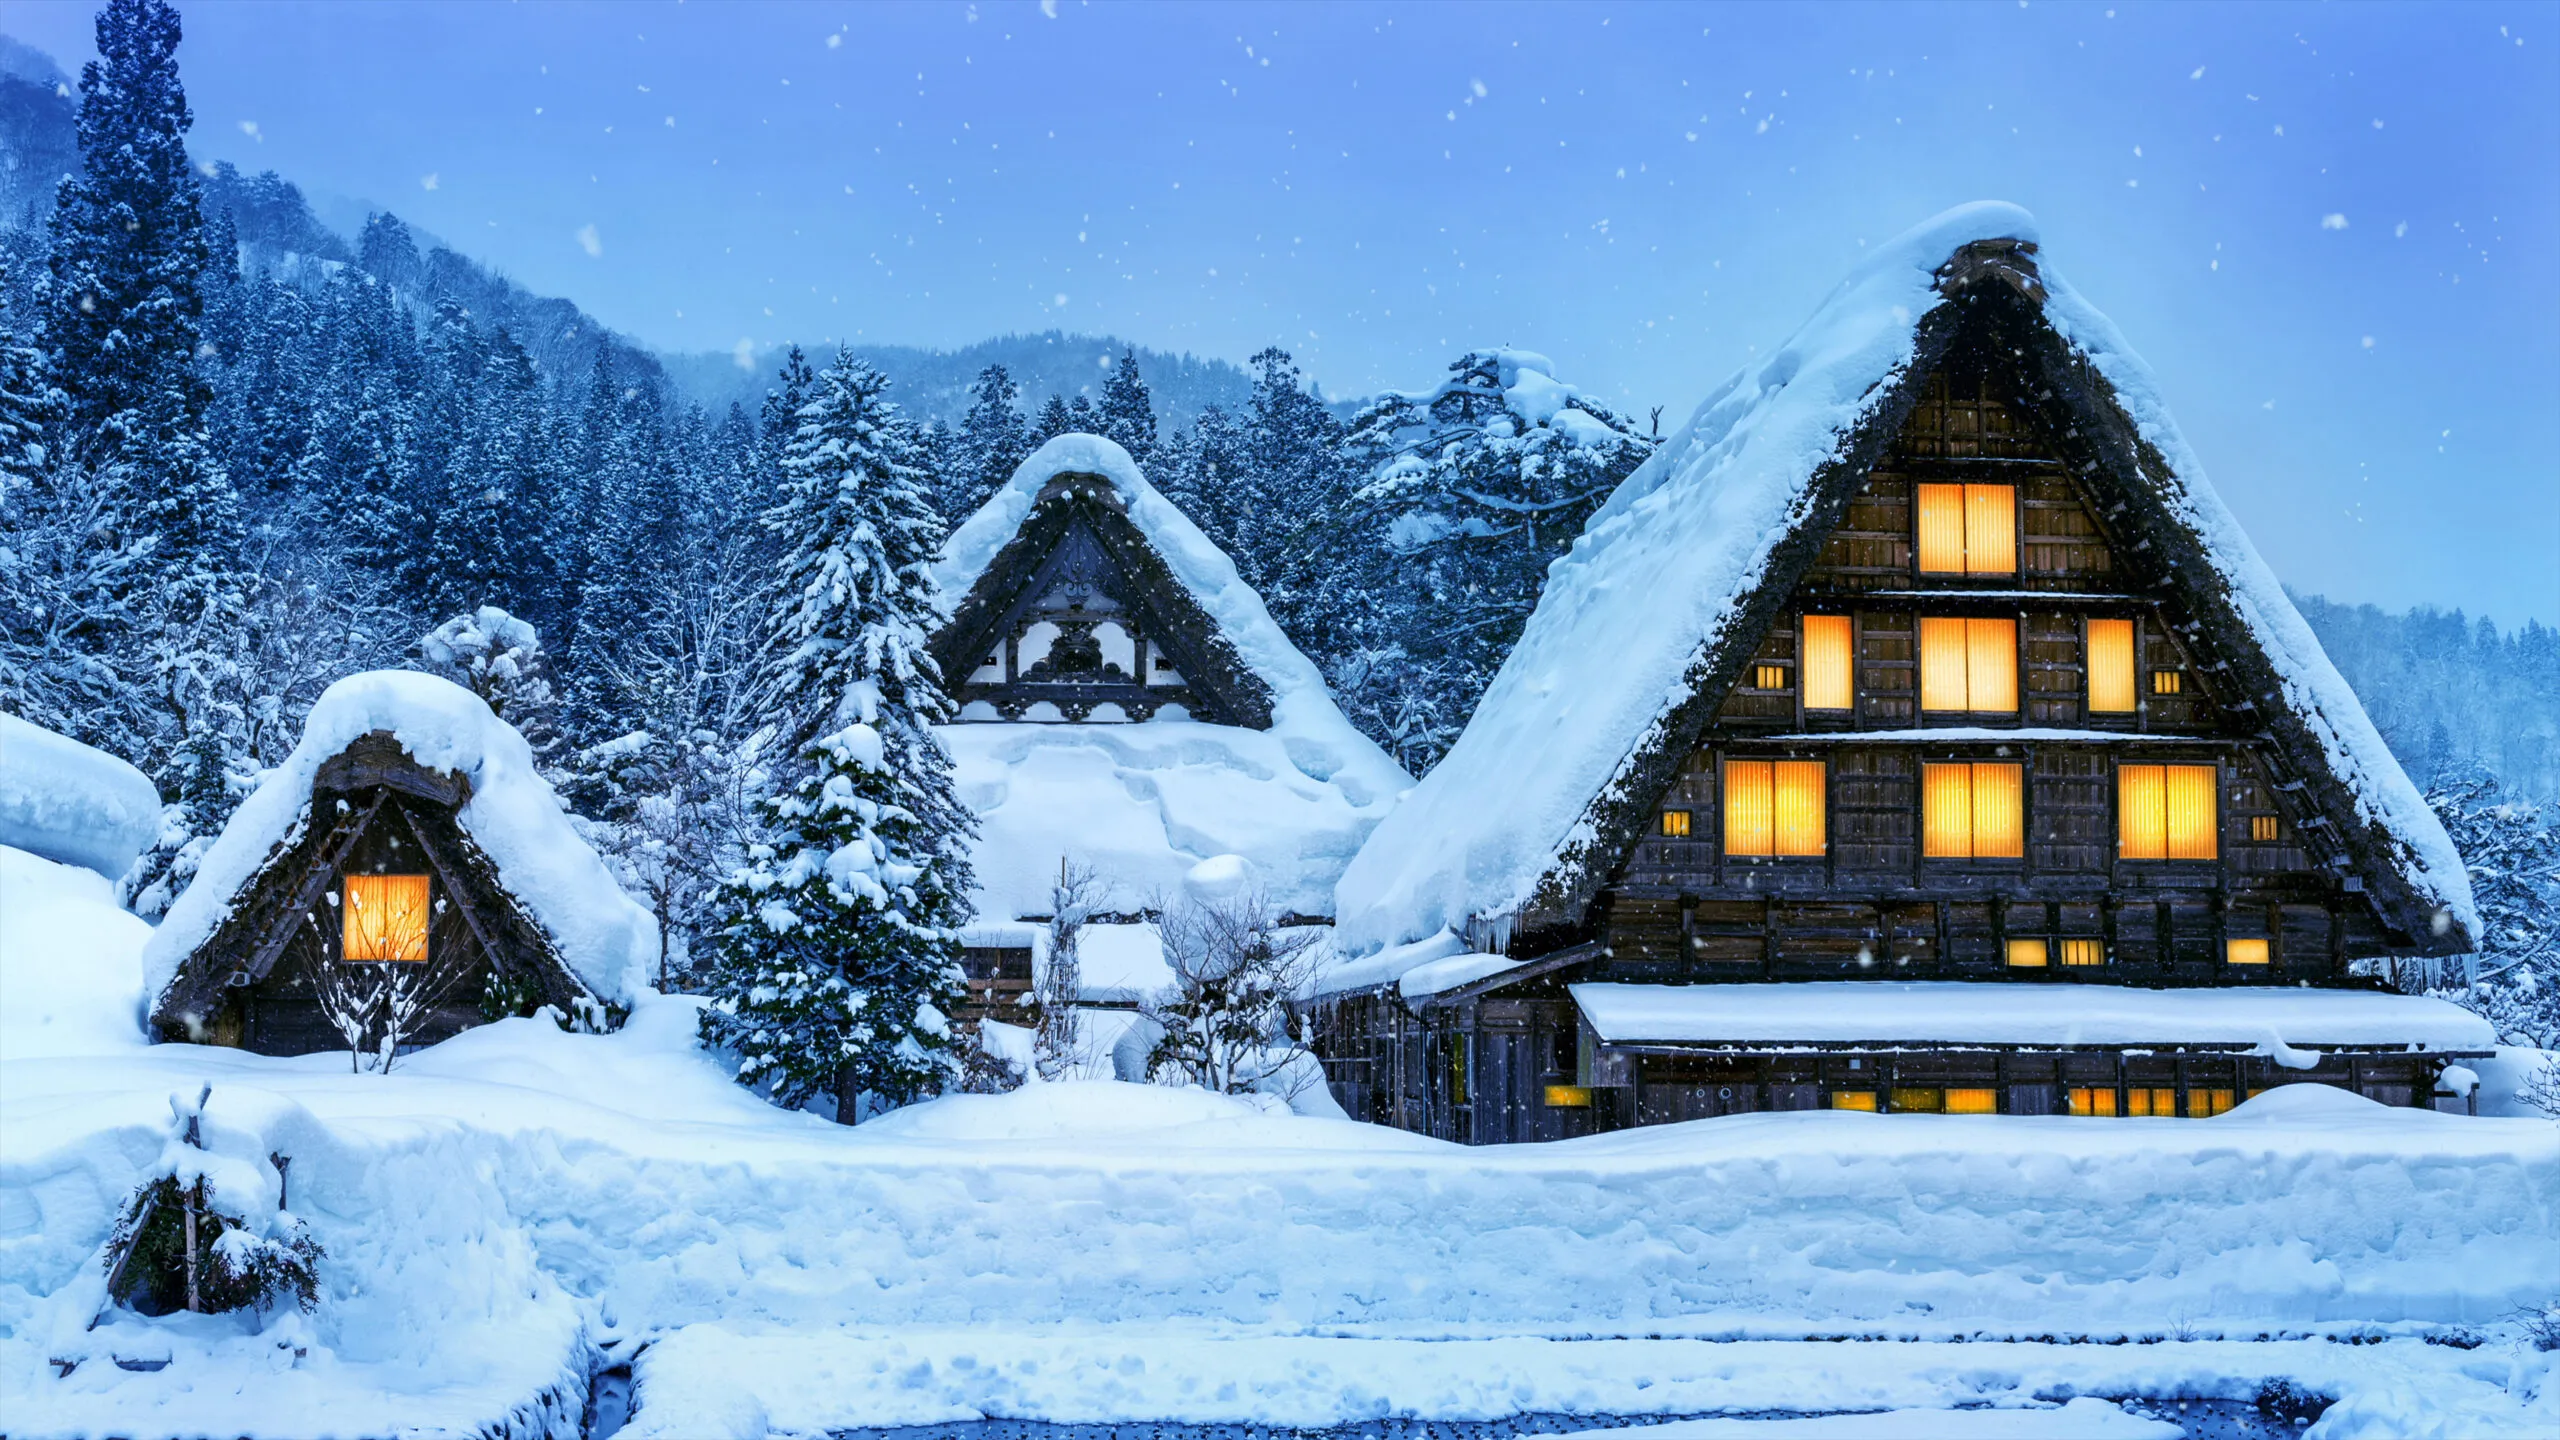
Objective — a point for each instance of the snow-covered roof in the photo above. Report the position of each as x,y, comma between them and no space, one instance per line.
67,802
1144,802
605,937
1661,573
1849,1012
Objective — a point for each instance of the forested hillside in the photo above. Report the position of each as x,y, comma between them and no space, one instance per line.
2447,690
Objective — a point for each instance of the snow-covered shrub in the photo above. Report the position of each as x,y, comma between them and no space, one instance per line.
1060,983
196,1235
499,658
1227,1019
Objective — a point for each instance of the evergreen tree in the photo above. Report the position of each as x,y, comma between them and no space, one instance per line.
1128,414
837,958
2513,855
1053,421
1082,418
992,445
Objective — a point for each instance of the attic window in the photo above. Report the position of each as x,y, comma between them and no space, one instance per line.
1968,529
386,917
2167,682
2165,812
1773,807
1972,811
2111,667
1825,663
1769,677
2264,828
1969,666
1675,824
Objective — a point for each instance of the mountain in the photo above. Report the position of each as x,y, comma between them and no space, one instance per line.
38,139
934,384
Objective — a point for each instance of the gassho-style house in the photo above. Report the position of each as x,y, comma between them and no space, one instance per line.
1915,731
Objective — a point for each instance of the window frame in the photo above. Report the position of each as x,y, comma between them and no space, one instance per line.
348,910
1726,793
1964,537
1969,648
1973,811
1849,663
2167,855
2089,669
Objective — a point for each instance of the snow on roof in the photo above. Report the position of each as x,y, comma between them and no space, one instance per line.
1145,802
1835,1012
69,803
608,941
1664,567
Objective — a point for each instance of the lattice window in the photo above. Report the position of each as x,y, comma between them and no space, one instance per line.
1972,811
2111,667
2166,812
1968,665
1968,529
1773,807
1828,680
386,917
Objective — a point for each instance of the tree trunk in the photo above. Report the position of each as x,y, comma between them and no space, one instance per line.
195,1302
848,1095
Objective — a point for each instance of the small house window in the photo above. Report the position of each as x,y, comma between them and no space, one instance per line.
2093,1100
2166,682
1972,811
1973,1100
2027,954
2084,952
2245,952
1773,807
2165,812
386,917
2202,1102
1675,824
1969,665
1825,663
2111,667
2152,1100
1568,1097
1968,529
1919,1099
1769,677
2262,828
1853,1100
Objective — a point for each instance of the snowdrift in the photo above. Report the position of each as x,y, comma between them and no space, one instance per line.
67,802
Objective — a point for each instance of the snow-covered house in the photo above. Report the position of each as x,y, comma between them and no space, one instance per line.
408,830
1127,704
1924,655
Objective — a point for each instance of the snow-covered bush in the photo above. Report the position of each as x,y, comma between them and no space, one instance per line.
499,658
1060,983
196,1235
1227,1018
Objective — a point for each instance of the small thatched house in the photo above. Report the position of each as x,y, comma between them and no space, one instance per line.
1911,710
407,843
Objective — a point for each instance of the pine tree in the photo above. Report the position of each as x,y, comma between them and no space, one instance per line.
2513,855
992,442
1128,413
1053,421
838,956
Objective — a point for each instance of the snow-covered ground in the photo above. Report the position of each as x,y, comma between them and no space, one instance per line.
503,1205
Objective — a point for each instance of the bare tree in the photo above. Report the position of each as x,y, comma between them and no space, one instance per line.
1060,984
378,1005
1228,1021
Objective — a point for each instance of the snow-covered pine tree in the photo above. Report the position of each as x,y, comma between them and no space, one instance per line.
1294,488
1128,412
2513,853
1053,421
837,957
992,441
1471,492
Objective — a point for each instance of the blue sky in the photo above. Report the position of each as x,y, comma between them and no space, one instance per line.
2334,230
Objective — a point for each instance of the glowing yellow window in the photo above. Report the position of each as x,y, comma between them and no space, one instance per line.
2245,952
1973,1100
1825,663
1773,807
1568,1097
2111,667
1972,811
1769,677
2165,812
1919,1099
2027,954
2093,1100
2166,682
386,917
1853,1100
2262,828
2153,1100
1968,529
2201,1103
2084,952
1675,824
1969,665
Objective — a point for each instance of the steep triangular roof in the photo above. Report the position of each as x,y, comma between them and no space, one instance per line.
1647,622
464,784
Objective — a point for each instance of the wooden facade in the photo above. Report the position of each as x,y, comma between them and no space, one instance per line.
1078,619
375,812
1936,748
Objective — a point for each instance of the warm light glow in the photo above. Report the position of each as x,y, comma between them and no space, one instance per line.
1968,529
386,917
1825,664
2027,954
2153,1100
2245,952
2263,828
1968,665
2165,812
1769,677
1972,811
2111,667
1973,1100
2093,1100
1853,1100
1675,824
1568,1097
1773,807
2201,1103
2084,952
2165,682
1919,1099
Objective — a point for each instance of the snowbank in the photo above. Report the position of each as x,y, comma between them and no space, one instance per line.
65,801
1660,572
1144,802
606,938
70,962
1849,1011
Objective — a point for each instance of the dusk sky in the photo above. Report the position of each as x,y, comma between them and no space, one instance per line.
2334,230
